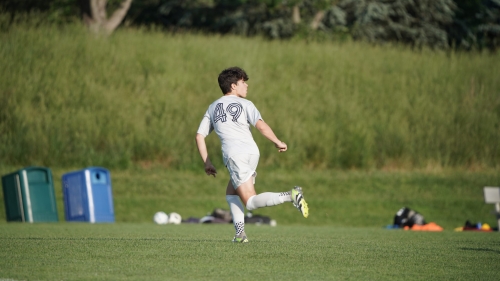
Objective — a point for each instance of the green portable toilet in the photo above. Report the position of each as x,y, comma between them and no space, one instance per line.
29,195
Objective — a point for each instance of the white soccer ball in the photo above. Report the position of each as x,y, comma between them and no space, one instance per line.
175,218
160,218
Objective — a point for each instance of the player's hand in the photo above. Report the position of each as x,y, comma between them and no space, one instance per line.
281,146
210,169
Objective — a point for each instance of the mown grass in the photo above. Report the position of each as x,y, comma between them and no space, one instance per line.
336,198
69,99
74,251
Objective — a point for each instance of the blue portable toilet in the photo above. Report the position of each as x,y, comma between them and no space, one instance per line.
88,196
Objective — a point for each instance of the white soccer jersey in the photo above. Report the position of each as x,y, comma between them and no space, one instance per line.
230,117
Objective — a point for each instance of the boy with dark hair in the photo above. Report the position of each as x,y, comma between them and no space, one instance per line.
230,116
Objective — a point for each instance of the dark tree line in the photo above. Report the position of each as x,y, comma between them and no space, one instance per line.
443,24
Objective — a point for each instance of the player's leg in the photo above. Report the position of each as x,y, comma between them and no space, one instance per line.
245,181
243,176
252,201
242,170
237,213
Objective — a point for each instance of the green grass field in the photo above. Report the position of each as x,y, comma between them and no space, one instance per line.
131,251
336,198
344,237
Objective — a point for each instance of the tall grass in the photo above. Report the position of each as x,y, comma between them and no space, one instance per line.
68,98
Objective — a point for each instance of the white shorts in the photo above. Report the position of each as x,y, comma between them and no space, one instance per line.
241,167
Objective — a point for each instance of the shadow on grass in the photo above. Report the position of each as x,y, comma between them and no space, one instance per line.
107,239
480,250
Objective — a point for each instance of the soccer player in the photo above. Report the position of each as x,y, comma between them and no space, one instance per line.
230,116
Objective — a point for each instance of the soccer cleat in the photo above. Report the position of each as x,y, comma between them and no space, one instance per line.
299,202
241,238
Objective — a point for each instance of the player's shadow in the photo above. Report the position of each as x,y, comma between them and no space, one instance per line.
480,250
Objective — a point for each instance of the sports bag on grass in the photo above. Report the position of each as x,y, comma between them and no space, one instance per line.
408,217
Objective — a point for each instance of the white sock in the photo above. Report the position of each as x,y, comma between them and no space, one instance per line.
237,213
268,199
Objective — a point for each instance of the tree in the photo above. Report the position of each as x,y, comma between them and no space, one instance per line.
312,9
94,13
488,31
416,23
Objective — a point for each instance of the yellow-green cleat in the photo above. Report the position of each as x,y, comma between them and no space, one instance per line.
241,238
299,202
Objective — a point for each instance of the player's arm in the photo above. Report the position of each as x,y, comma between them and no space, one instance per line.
267,132
202,149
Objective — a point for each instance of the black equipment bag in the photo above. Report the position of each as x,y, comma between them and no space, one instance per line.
408,217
